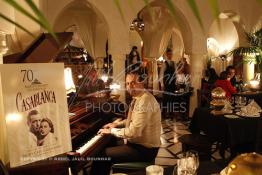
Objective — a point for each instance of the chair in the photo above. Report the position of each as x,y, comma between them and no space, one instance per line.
197,142
128,167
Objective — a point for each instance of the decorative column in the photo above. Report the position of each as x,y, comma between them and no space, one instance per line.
3,139
3,47
197,68
153,75
99,66
249,67
119,74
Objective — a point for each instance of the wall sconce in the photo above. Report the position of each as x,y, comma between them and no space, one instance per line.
69,83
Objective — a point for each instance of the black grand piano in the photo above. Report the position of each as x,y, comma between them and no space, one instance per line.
84,123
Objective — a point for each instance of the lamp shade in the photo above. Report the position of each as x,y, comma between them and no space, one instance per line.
69,83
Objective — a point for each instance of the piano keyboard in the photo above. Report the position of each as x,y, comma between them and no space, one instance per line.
89,144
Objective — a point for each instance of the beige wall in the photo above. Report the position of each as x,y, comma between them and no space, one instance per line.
9,12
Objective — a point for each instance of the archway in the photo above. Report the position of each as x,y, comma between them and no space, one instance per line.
89,24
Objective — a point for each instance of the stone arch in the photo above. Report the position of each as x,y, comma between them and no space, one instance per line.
180,23
80,13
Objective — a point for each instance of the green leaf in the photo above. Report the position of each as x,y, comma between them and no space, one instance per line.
172,9
22,10
130,2
41,18
16,24
117,3
215,11
194,8
42,22
149,8
260,1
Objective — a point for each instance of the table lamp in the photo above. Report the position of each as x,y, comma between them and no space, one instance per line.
69,86
114,87
254,85
69,83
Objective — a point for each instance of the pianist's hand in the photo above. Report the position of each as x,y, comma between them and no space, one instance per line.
104,131
110,125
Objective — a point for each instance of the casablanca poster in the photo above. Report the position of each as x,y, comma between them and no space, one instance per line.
34,106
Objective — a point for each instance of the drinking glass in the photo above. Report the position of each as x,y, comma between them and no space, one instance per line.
188,164
182,166
243,101
192,162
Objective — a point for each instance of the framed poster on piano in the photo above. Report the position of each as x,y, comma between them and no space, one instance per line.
34,114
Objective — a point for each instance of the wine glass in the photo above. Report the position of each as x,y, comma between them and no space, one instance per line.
238,100
243,101
182,166
192,162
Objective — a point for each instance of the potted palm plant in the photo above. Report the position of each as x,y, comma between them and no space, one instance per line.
252,52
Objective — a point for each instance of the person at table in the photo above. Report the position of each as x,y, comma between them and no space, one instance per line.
231,72
168,82
134,60
224,83
139,134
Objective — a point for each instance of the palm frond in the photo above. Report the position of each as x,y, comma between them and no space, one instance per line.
244,51
215,11
149,8
260,1
40,20
117,3
194,8
16,24
171,7
172,10
43,22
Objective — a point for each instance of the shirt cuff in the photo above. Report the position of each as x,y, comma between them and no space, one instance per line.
115,131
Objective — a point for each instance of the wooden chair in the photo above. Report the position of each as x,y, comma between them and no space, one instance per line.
197,142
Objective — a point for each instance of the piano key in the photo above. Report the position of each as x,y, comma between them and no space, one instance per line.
89,144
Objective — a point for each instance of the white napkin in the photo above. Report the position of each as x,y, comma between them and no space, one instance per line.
227,108
252,109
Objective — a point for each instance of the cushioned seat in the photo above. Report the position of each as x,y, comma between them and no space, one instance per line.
198,143
130,166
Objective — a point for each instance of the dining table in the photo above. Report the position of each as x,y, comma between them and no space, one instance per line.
238,133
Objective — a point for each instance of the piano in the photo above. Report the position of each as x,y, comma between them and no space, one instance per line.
84,121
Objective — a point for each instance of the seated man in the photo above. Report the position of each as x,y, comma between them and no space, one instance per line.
141,130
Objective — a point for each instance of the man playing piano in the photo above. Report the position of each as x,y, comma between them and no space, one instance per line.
140,132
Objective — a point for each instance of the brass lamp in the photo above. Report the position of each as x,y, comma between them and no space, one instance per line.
254,85
218,96
248,163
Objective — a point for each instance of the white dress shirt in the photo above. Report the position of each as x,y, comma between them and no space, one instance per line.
145,124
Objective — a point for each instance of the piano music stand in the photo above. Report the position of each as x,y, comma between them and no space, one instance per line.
3,170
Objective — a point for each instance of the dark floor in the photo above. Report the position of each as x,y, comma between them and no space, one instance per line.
171,147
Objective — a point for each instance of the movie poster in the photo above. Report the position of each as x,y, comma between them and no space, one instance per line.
35,110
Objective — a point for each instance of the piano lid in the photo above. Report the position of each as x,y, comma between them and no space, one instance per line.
43,49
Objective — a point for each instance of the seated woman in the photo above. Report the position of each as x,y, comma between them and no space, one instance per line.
224,83
46,133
